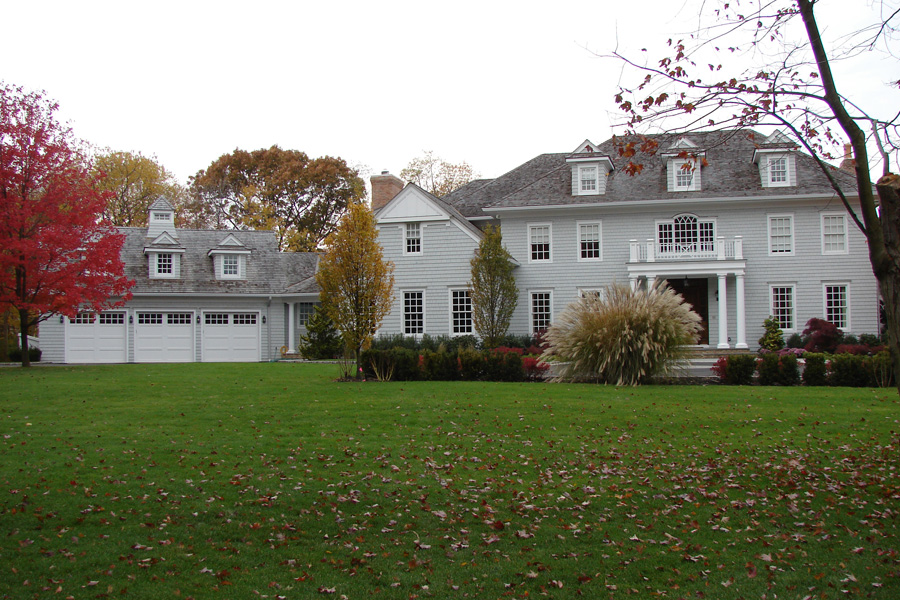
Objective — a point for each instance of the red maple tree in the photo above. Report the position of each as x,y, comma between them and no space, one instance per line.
56,255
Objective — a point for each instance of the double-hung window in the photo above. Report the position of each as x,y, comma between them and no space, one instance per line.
834,233
588,179
164,263
230,265
781,234
413,239
541,308
413,313
539,243
837,305
778,174
460,312
782,298
589,241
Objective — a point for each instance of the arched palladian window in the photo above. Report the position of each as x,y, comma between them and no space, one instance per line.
686,235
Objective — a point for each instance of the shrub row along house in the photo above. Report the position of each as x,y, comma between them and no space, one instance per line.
742,225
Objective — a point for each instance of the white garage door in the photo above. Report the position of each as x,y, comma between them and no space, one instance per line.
230,337
97,338
164,337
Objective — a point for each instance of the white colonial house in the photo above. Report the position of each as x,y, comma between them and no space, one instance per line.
199,296
742,225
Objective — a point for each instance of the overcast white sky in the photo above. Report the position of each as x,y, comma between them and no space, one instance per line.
493,83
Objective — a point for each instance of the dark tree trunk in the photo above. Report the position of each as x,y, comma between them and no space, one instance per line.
889,277
23,333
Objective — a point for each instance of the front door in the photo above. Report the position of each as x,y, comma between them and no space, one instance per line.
695,293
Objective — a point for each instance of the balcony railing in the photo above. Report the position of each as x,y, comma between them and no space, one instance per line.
718,249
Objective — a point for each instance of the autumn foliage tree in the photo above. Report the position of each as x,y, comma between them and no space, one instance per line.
764,64
437,176
357,284
493,288
134,182
56,255
300,198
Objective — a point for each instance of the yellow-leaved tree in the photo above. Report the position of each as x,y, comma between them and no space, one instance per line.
357,284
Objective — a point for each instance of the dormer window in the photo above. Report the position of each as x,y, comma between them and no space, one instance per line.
164,264
777,167
778,170
588,177
230,265
684,174
162,216
589,170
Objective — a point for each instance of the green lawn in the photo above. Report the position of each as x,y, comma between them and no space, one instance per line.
273,481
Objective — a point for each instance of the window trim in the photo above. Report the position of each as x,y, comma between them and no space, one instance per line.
676,164
846,233
407,239
531,227
769,218
583,168
403,312
237,266
846,286
793,288
578,225
531,313
154,267
450,299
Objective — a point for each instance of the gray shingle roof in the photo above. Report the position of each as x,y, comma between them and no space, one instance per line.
269,271
730,172
161,204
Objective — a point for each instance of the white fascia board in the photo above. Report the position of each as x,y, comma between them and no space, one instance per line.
226,251
163,250
390,220
687,268
213,296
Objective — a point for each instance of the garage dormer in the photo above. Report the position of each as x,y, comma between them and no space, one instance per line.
161,219
230,259
164,257
590,169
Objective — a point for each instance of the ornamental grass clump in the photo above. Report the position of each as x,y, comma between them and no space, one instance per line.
622,337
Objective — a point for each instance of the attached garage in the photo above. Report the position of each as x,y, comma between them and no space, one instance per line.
97,338
230,337
163,337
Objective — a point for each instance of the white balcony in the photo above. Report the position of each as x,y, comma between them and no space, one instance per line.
718,249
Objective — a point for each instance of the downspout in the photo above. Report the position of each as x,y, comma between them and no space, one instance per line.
269,326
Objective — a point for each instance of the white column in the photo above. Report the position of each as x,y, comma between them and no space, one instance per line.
290,340
741,312
723,312
633,281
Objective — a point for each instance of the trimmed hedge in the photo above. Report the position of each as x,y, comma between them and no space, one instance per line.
401,364
15,354
839,370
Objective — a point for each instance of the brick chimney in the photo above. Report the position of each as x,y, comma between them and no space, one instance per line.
384,188
849,163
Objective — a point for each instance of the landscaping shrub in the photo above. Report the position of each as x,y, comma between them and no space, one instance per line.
440,366
795,341
322,340
503,366
15,354
776,369
737,369
870,339
623,336
848,370
534,368
881,369
471,364
815,372
853,349
821,336
773,338
395,340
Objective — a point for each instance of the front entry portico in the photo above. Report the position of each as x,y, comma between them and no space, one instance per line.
721,270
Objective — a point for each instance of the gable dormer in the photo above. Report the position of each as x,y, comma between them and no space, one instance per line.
164,257
684,166
161,218
776,159
590,169
230,258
